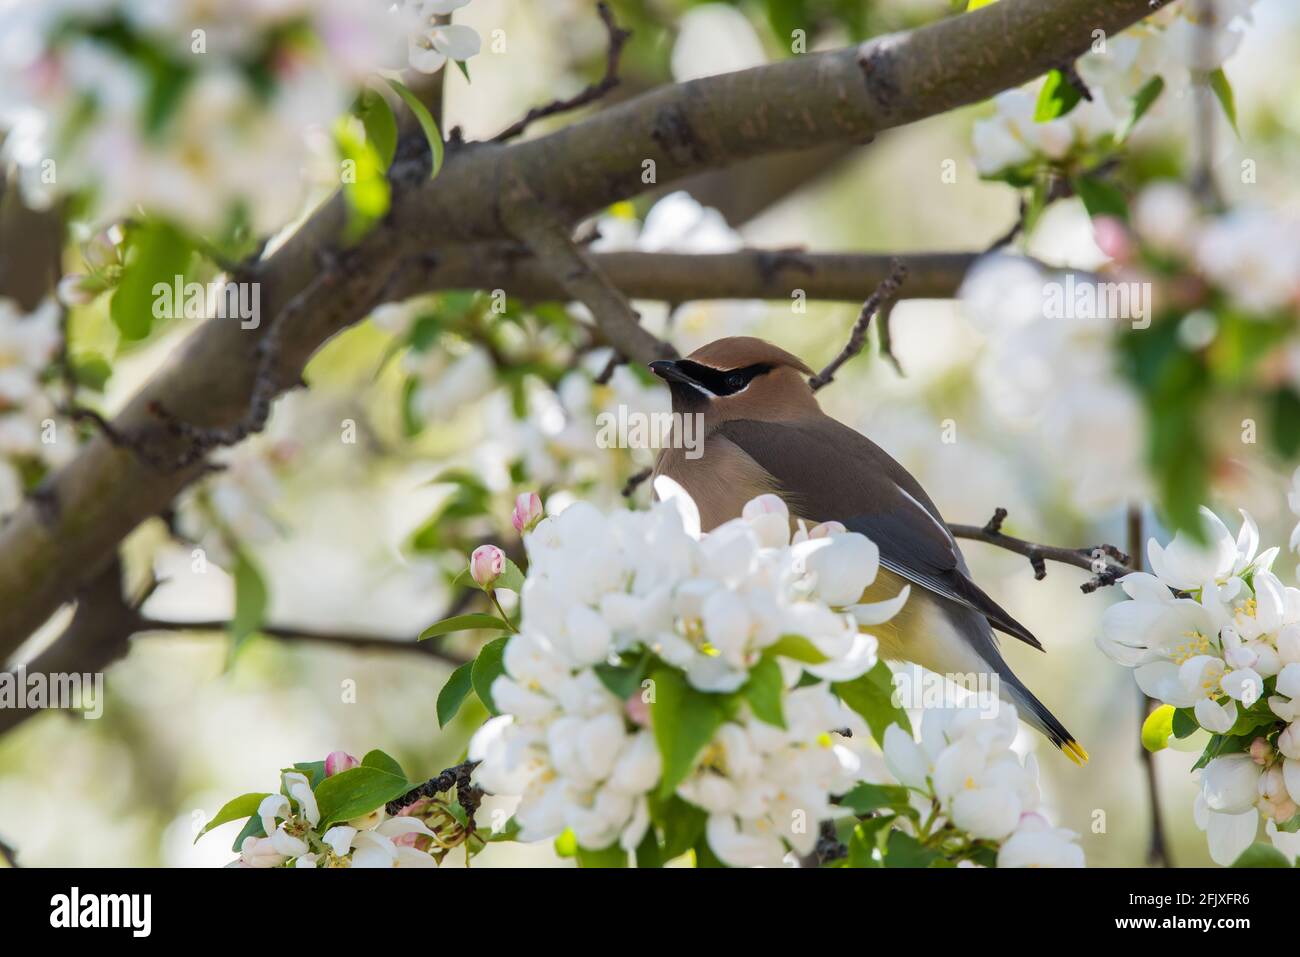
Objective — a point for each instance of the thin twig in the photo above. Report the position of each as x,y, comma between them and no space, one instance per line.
457,777
355,640
607,373
1071,74
1107,563
634,481
884,293
887,335
9,855
1204,186
618,38
200,440
1157,853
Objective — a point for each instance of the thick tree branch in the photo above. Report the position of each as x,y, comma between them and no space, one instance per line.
1106,562
844,96
581,278
684,277
98,635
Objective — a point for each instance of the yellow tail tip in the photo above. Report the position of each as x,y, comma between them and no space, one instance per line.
1075,752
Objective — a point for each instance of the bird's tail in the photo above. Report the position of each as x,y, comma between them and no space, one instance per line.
1035,713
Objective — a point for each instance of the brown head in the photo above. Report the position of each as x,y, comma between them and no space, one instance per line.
739,377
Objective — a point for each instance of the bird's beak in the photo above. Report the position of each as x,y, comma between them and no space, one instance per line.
667,370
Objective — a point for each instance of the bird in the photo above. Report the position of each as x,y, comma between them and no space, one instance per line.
764,432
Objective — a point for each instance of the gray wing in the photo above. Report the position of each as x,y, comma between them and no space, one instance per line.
827,471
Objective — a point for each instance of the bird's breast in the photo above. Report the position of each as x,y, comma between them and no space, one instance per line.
721,479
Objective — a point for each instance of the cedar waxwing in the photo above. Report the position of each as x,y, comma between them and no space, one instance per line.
764,432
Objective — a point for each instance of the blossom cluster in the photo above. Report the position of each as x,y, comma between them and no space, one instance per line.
291,835
639,634
964,767
635,584
203,114
1058,380
1213,633
1166,47
1251,255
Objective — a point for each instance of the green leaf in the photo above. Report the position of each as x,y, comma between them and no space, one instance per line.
1261,855
1285,422
684,721
648,852
1184,723
623,681
680,822
763,691
92,371
243,806
511,577
1223,90
156,254
1158,727
384,762
903,850
865,840
1056,98
798,648
250,601
315,771
427,123
463,623
1143,100
252,828
1101,198
872,696
380,124
487,667
867,797
356,792
508,832
454,692
365,185
612,856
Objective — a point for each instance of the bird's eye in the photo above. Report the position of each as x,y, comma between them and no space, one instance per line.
735,382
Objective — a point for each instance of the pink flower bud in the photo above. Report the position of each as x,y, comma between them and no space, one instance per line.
1260,752
528,512
637,710
827,529
766,504
1112,238
337,761
486,564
